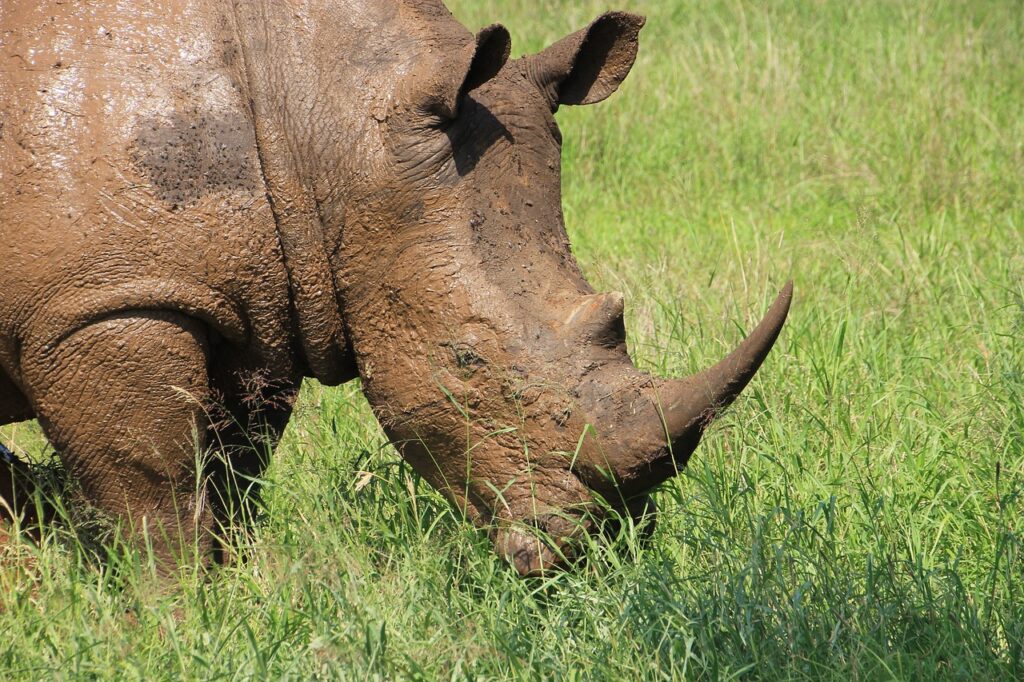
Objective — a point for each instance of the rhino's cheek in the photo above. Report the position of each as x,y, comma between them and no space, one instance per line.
535,507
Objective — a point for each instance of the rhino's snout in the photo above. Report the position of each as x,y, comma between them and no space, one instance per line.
546,542
527,552
554,541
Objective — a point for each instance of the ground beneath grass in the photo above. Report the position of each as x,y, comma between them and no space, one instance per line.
857,515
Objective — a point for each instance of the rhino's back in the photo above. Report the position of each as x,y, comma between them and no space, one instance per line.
129,174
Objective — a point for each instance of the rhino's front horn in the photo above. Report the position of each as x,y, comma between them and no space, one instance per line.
649,430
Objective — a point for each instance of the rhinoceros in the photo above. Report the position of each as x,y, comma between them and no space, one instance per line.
204,202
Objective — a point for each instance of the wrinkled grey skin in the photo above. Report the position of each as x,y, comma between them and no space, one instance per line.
203,202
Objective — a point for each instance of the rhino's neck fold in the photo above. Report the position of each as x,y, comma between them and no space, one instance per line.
316,306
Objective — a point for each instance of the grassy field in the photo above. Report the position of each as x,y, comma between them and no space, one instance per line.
859,514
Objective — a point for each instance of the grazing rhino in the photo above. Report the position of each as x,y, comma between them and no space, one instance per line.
203,202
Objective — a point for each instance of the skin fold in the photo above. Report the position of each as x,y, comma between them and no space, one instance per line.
203,202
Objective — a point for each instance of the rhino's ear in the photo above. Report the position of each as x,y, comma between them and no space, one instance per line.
589,65
493,46
478,63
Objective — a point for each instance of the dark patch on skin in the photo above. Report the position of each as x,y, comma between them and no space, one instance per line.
466,358
189,156
230,53
476,132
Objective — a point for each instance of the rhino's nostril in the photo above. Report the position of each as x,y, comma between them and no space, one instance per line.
524,551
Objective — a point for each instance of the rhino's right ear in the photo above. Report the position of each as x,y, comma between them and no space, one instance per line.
478,63
589,65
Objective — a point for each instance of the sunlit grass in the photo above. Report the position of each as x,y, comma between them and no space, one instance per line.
857,515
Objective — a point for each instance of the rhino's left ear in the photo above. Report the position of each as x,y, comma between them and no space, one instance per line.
493,46
478,63
589,65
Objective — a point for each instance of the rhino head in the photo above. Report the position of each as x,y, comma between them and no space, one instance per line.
494,367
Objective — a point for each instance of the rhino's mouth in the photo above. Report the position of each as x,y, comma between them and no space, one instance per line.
543,542
554,540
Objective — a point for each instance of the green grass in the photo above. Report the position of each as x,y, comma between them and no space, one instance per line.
857,515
